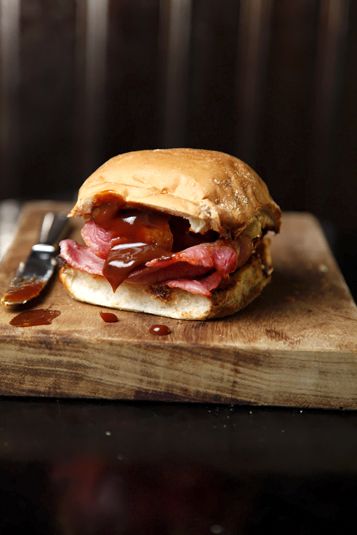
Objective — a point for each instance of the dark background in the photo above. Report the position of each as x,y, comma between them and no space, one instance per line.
124,468
271,81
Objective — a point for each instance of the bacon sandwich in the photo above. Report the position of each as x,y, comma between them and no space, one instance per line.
173,232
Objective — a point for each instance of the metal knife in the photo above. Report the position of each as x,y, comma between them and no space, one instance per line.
33,274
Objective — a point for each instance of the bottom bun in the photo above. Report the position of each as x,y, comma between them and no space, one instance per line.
243,286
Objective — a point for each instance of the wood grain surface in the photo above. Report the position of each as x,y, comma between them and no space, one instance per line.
296,345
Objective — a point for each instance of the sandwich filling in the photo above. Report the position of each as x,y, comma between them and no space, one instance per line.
152,248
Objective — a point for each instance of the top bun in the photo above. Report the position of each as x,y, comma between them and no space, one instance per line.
211,189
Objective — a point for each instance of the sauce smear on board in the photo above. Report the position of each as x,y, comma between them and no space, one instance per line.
38,316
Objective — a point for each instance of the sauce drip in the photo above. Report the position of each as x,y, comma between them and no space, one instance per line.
125,257
140,237
159,330
109,317
23,293
38,316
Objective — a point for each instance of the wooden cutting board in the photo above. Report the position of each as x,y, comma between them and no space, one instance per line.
296,345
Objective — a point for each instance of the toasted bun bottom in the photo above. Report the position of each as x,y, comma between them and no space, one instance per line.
245,285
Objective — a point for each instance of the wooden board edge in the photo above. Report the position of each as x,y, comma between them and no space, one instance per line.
242,377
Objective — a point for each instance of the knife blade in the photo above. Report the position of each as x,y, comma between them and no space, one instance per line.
33,274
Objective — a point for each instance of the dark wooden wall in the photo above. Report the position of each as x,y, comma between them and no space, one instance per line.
272,81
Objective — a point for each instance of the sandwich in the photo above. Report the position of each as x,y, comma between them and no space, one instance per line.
179,233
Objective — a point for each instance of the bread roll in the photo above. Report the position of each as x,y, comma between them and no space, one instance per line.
211,189
214,192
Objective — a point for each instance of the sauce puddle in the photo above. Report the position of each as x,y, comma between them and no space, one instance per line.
30,318
108,317
159,330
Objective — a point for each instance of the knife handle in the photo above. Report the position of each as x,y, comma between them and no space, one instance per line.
53,228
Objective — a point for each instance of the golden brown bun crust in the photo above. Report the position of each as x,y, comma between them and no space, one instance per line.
245,285
212,189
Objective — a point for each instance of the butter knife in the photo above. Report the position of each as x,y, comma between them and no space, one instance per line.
33,274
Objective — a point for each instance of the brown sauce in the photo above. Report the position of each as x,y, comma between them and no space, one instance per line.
140,237
109,317
159,330
124,258
38,316
107,208
23,293
131,225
